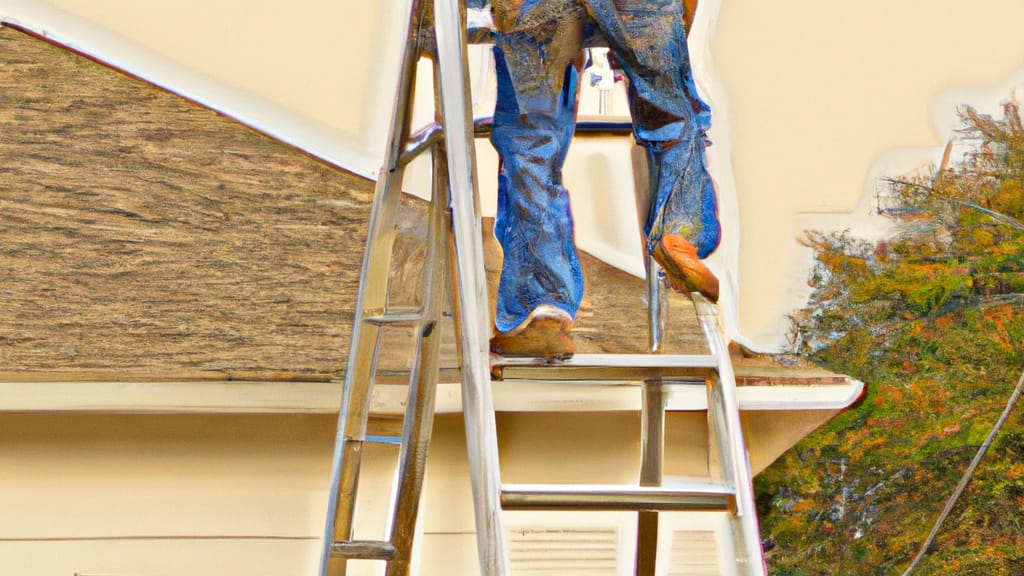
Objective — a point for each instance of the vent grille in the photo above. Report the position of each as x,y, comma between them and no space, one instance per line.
552,551
694,553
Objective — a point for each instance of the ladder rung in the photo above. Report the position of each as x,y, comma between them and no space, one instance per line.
401,377
605,367
619,361
419,142
400,316
363,550
381,439
595,497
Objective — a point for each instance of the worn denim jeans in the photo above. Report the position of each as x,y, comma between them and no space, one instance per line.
538,53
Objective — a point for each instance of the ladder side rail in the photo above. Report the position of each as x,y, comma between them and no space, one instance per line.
357,386
364,340
401,114
362,362
724,411
652,455
657,307
473,309
419,415
657,303
652,433
652,427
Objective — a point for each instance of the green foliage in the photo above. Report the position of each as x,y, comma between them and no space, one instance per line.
933,321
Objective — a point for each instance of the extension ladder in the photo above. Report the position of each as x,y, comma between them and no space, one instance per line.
437,29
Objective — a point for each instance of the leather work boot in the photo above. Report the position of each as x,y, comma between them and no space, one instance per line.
683,269
544,334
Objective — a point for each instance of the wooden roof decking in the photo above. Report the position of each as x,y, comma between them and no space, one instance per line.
146,239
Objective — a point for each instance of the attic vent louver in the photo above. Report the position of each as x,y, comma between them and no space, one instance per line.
563,551
694,553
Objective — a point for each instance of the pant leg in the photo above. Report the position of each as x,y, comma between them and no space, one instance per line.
669,118
536,55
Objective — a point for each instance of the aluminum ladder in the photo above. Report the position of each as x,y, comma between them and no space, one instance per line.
437,29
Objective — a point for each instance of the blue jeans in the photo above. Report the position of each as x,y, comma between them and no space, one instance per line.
538,60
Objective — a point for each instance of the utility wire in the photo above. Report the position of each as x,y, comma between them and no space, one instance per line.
930,190
967,475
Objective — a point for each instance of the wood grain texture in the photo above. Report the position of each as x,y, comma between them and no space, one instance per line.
145,237
141,232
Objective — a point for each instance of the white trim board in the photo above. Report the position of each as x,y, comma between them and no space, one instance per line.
229,397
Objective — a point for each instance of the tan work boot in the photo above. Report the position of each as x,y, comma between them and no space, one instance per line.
683,269
544,334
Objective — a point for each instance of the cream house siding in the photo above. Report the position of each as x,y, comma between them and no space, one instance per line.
151,494
154,494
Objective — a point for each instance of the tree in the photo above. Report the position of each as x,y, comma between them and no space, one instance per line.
932,320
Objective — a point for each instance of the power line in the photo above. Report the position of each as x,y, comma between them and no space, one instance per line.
967,475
